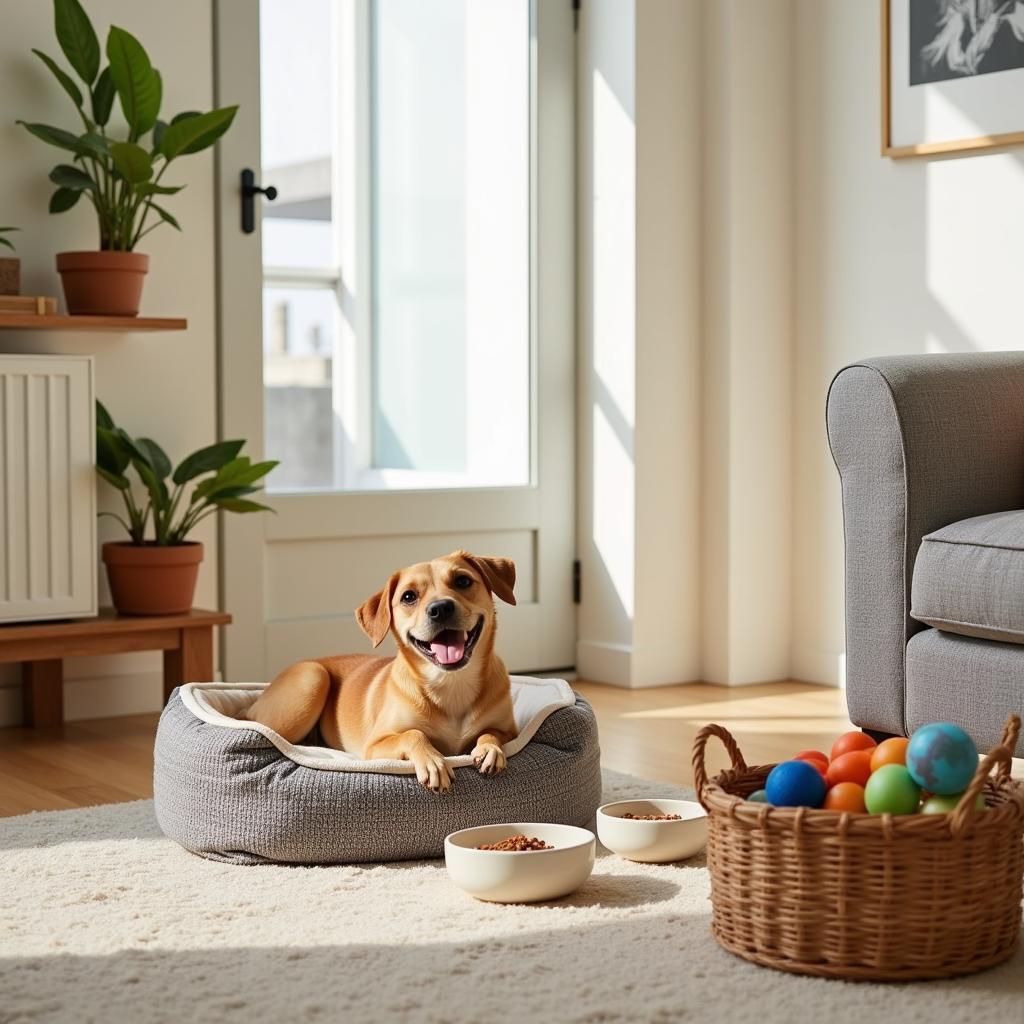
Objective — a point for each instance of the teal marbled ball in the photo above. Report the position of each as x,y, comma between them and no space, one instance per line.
942,758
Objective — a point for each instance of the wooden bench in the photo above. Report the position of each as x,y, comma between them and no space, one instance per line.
186,640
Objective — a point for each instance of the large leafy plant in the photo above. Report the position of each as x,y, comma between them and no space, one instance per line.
121,177
218,477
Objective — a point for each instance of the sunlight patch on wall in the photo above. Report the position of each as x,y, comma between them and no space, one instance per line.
612,502
613,319
970,214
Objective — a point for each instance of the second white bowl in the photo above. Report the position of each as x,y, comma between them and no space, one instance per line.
523,877
653,842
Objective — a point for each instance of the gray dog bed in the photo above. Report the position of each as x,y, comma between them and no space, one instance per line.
236,791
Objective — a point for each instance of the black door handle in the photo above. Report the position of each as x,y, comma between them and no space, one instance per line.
249,192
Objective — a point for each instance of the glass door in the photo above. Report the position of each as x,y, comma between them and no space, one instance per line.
409,365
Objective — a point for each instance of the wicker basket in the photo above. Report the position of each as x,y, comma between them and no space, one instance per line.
861,896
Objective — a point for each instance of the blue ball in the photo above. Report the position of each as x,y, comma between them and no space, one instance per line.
942,758
795,784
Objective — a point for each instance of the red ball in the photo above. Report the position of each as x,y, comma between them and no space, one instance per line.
852,741
852,767
815,759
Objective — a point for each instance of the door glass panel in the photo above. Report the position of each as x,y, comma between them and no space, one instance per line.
298,349
297,111
397,266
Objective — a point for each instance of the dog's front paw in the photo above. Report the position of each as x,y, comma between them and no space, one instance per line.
434,772
489,758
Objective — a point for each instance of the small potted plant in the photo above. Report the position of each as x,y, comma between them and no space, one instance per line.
121,175
10,266
158,576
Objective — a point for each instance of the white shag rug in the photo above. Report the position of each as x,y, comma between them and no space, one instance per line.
103,919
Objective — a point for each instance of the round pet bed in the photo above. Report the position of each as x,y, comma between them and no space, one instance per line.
236,791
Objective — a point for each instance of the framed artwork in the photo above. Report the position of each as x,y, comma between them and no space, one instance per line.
952,75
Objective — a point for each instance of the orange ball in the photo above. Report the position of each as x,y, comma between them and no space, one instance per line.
854,766
815,757
852,741
845,796
891,751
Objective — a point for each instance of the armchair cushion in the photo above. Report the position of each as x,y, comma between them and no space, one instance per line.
969,578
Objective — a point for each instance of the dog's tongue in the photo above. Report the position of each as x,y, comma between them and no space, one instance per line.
449,646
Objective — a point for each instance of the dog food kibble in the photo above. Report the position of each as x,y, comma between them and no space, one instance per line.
653,817
517,844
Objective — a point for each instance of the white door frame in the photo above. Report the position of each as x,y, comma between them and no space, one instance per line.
547,505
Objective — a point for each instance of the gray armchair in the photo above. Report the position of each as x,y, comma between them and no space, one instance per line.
930,451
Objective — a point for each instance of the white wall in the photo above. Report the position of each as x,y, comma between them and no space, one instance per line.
638,316
892,257
747,341
161,385
685,314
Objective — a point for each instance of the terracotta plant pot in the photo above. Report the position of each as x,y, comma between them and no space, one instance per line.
10,275
150,580
102,283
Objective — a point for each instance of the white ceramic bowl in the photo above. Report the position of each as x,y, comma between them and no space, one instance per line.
653,842
527,877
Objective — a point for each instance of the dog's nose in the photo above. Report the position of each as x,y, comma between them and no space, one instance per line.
438,611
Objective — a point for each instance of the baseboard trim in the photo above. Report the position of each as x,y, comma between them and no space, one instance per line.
601,662
97,697
612,665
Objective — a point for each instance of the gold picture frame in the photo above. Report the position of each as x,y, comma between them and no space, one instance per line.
925,148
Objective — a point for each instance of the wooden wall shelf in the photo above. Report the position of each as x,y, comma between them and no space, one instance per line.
33,322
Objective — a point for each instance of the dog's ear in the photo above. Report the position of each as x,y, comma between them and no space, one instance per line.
374,614
499,574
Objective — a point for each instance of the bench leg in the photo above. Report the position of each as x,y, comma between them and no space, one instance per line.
42,692
191,661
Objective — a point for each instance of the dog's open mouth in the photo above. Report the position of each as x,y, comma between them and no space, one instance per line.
451,648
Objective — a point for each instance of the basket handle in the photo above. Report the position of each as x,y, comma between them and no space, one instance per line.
700,775
1001,755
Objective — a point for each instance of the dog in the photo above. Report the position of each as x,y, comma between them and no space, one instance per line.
446,691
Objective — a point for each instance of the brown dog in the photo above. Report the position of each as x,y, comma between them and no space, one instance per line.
446,692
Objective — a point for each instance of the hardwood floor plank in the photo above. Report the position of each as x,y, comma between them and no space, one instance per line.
650,733
18,796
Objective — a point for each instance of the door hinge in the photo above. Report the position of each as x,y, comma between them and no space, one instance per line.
577,582
576,5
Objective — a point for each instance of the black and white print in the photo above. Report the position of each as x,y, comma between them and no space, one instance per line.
964,38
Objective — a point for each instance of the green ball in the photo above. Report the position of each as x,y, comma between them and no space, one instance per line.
891,790
944,804
760,797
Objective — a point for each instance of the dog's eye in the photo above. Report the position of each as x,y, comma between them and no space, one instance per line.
409,597
462,582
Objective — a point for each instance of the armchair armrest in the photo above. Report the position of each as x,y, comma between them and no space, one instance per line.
919,442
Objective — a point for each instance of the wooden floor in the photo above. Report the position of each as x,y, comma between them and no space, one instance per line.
644,732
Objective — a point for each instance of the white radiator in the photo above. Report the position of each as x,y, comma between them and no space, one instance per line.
47,488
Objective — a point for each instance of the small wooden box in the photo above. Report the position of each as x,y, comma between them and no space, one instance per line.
10,275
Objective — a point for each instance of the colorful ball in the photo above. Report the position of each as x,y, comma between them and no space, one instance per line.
854,766
942,758
855,740
758,797
815,757
890,751
891,790
795,784
947,803
845,796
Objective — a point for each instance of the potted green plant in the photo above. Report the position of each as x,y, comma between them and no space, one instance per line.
121,174
158,576
10,266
